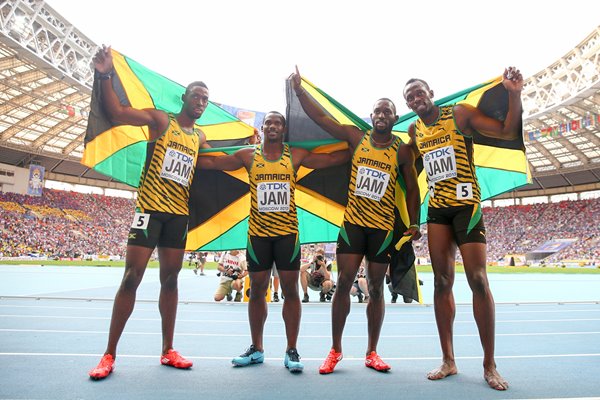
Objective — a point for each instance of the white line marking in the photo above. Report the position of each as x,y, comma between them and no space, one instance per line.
303,358
245,311
245,321
60,331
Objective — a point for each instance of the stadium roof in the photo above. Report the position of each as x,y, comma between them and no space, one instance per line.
46,80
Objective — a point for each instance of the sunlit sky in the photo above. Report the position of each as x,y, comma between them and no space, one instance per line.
357,51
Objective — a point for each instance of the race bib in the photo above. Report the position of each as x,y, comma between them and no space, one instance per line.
140,221
440,164
273,196
177,166
464,191
371,183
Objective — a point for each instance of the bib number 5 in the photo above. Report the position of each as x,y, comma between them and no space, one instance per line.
140,221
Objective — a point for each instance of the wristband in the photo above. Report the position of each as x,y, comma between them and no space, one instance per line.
106,76
413,226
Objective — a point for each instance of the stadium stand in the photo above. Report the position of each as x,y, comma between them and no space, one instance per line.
63,224
47,86
75,225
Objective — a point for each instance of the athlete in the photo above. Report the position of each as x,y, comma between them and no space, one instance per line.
273,228
443,137
161,214
367,229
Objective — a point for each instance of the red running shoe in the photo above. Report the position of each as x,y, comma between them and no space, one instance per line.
104,368
330,362
374,361
174,359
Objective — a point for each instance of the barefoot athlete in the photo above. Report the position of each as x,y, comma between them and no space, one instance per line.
443,136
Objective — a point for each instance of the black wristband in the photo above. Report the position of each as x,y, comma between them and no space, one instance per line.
106,76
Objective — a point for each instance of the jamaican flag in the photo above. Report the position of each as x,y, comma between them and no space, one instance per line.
321,195
119,151
500,165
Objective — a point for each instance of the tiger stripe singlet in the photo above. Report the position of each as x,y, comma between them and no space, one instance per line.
448,162
169,170
272,187
372,185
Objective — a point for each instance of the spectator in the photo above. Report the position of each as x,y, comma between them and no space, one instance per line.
317,276
232,268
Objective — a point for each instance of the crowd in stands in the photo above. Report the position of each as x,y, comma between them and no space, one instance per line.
520,229
73,225
63,224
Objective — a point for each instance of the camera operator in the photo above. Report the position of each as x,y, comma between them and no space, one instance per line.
317,276
232,268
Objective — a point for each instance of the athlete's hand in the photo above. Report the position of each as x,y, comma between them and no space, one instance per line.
414,232
296,81
512,79
103,60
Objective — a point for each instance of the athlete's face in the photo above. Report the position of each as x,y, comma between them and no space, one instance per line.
273,127
383,116
195,101
419,98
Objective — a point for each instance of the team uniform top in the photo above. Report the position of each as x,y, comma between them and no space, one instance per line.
371,194
169,169
272,187
448,161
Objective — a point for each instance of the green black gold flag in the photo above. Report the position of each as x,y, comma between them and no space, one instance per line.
500,165
328,188
119,151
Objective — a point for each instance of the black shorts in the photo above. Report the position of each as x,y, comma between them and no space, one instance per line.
283,250
466,222
374,243
163,230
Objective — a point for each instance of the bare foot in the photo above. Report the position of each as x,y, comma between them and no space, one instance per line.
493,378
444,370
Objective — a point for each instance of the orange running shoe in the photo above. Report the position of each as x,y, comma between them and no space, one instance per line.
104,368
374,361
330,362
174,359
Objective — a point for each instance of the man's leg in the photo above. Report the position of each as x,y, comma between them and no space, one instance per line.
474,258
257,306
222,290
291,312
136,261
304,279
442,248
376,306
340,306
170,264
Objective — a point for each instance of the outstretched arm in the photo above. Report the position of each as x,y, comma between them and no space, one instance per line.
471,119
324,160
348,133
413,199
231,162
156,120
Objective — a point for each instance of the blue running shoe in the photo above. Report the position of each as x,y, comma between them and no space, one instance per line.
251,356
292,361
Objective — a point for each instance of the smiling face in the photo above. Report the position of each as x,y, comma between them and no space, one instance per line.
273,127
195,101
383,116
419,97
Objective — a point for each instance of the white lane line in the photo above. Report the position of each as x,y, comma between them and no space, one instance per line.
63,331
531,356
213,321
308,312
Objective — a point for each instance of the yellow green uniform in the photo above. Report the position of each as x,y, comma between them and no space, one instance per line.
169,170
272,187
448,161
372,185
